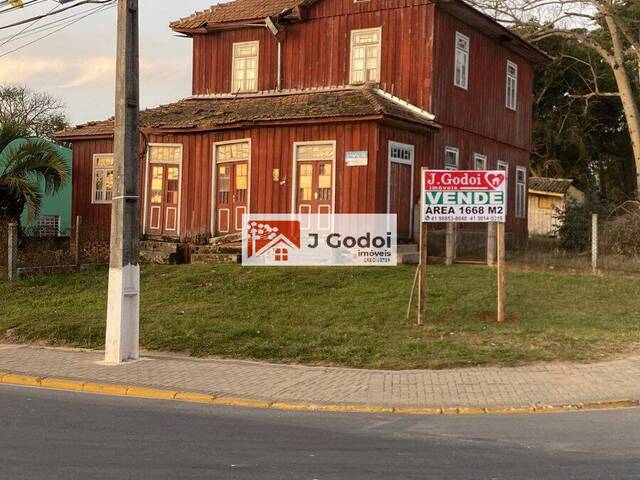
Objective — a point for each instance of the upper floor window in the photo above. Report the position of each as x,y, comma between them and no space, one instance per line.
451,158
365,55
512,85
521,192
479,162
461,78
102,178
245,67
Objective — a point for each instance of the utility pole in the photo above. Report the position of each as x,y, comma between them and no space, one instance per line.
123,309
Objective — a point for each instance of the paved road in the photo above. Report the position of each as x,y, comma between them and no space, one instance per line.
60,435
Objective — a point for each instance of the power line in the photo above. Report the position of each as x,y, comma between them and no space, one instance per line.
100,9
44,27
75,5
26,28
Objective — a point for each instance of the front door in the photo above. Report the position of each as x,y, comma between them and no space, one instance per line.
315,187
163,200
400,197
231,196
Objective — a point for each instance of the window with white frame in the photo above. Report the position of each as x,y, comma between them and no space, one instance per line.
49,225
451,158
521,192
365,55
479,162
245,67
512,85
461,78
102,178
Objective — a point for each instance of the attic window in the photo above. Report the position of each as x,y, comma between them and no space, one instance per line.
245,67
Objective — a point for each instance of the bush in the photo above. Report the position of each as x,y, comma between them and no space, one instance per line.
621,233
574,224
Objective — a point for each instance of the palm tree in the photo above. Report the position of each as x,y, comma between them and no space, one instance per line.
28,170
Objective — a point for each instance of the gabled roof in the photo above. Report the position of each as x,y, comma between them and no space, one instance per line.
256,11
550,185
211,113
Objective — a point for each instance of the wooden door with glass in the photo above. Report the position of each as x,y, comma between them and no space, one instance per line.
315,190
163,200
232,186
163,193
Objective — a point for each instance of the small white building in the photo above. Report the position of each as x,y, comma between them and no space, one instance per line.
547,198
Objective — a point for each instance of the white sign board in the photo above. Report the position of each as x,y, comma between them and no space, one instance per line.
464,196
294,240
357,159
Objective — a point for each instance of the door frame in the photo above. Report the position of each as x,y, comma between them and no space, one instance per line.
148,163
214,179
410,162
294,178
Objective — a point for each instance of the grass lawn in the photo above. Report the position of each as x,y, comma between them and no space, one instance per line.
342,316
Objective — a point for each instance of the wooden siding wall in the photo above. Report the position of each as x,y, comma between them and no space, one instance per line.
272,147
470,143
213,58
482,108
422,144
316,53
82,182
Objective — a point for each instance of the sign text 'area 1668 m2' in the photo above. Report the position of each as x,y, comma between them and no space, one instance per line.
464,196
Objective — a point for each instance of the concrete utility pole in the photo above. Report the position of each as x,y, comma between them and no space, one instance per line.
123,309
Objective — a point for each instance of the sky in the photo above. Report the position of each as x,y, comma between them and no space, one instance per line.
77,64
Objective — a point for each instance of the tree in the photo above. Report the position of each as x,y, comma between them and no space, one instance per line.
576,136
39,112
27,170
609,28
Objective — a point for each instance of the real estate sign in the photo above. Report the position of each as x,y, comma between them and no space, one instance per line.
302,239
464,196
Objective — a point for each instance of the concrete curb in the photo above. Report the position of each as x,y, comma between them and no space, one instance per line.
195,397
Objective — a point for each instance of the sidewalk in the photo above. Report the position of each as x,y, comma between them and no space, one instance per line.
473,388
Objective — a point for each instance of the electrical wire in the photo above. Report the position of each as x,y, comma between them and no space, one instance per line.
45,27
101,9
29,26
75,5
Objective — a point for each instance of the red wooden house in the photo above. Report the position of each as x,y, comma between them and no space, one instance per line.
322,106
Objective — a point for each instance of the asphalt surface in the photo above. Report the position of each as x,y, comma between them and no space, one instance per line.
61,435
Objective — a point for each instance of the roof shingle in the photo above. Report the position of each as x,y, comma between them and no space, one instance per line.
212,113
235,11
550,185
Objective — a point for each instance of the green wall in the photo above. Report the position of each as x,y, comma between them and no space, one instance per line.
59,204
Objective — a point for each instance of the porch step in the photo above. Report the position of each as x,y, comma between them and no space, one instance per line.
226,239
164,253
407,248
412,258
215,258
233,248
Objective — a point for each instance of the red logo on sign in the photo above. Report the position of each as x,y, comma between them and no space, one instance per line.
277,238
463,180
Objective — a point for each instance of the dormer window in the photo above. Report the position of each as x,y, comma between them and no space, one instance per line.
365,55
245,67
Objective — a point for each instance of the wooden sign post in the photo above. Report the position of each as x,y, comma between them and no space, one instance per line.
500,271
422,272
463,196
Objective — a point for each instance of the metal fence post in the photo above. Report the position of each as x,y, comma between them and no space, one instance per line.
594,243
12,252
